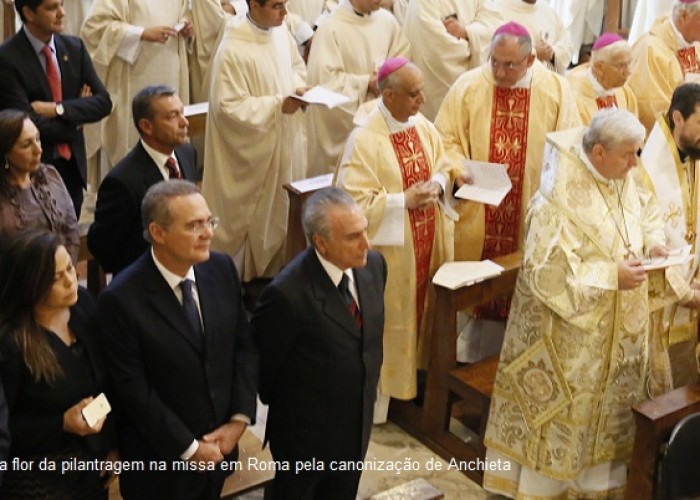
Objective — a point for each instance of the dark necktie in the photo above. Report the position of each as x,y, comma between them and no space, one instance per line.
173,170
54,79
189,306
350,300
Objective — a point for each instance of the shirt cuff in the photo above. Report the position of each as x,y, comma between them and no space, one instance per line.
442,181
239,417
190,451
395,200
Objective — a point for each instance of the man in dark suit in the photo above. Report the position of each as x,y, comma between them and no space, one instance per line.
318,327
179,352
115,238
52,78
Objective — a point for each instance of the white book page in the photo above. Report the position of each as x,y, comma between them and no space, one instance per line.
322,96
678,257
313,183
490,182
455,275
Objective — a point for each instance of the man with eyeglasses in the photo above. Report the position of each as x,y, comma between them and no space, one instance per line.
670,159
500,113
163,152
664,58
602,82
179,352
256,138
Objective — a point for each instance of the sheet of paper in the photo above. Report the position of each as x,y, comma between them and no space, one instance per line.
323,96
201,108
313,183
455,275
178,27
678,257
490,182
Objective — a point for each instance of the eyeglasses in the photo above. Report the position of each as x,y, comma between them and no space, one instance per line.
198,226
506,65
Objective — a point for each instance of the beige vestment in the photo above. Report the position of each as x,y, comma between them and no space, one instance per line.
587,98
346,50
251,148
371,173
127,64
574,359
441,56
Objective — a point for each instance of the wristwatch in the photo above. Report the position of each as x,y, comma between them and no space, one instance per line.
60,109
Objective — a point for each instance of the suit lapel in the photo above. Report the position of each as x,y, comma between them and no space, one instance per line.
151,172
66,66
332,303
187,168
206,290
164,302
33,65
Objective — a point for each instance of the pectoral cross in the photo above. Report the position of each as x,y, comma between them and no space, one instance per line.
510,114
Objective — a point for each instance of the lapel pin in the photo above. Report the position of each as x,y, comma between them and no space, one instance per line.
65,58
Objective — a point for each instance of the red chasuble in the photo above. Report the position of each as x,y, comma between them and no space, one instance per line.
606,102
508,145
414,169
689,60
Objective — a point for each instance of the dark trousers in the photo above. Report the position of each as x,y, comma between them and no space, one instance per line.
313,485
70,173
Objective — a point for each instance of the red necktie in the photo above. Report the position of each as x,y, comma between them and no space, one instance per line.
344,288
56,93
173,170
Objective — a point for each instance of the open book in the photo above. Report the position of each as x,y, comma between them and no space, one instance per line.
455,275
677,257
490,182
322,96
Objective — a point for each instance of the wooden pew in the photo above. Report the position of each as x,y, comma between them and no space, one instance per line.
655,419
429,423
96,278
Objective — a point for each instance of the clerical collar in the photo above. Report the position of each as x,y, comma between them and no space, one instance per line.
599,90
345,4
256,25
392,123
682,44
594,172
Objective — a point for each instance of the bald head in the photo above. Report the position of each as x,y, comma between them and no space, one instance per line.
402,92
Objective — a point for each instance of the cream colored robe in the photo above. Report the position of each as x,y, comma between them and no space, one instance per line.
645,14
543,23
574,359
656,70
346,50
126,64
309,10
580,80
464,122
209,19
678,202
76,11
369,171
582,19
442,57
251,148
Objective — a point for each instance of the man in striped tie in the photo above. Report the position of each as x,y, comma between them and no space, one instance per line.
318,327
163,152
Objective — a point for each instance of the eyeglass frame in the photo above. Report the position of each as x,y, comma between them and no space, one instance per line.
509,66
198,226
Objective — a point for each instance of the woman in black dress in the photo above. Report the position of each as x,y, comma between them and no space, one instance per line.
51,369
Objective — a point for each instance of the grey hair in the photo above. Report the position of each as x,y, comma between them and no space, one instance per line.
607,53
314,214
690,8
155,206
611,127
524,42
392,81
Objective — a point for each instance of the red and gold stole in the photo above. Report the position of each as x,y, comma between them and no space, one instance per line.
689,60
508,145
415,168
608,101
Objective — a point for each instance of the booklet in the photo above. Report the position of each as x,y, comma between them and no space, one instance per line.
313,183
455,275
490,182
322,96
677,257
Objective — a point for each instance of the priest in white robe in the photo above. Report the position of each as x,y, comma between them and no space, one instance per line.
209,19
550,37
448,37
255,140
645,14
76,11
133,44
575,356
602,83
500,113
582,19
346,53
395,167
